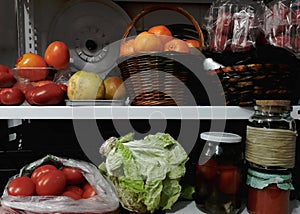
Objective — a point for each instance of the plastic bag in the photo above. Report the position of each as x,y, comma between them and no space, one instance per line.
105,201
282,25
234,25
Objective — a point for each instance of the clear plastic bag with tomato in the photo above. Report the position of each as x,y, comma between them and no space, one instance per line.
105,200
282,25
234,25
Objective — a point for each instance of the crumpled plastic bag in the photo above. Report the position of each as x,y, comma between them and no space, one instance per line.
282,25
234,25
105,201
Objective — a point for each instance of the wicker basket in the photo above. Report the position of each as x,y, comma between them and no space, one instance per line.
156,78
243,84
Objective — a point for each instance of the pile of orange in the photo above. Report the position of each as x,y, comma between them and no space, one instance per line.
157,38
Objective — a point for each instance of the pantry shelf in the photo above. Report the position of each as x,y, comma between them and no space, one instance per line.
190,207
131,112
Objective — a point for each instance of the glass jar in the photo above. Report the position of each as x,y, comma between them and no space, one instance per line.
268,193
220,177
271,136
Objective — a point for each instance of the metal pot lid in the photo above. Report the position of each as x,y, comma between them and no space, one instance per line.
92,30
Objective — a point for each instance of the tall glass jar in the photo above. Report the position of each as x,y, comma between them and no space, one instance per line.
271,136
220,174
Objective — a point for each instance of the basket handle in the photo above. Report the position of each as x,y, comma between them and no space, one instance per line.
165,7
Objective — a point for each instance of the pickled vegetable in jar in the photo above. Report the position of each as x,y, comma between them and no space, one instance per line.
220,177
268,193
271,136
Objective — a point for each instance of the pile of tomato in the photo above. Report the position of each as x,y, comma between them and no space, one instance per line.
227,178
32,79
48,180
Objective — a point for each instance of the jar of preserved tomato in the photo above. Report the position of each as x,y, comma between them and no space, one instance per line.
220,177
268,193
271,136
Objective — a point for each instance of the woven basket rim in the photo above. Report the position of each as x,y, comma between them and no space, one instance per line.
241,68
154,54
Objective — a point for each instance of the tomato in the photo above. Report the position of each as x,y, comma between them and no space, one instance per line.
21,186
71,194
114,88
219,44
177,45
11,96
23,86
49,94
28,60
43,82
207,170
51,183
75,189
39,171
229,179
64,88
57,55
88,191
7,78
73,175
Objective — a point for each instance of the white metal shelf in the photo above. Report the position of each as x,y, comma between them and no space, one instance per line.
131,112
190,207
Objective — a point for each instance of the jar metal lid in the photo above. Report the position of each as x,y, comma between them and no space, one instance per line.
223,137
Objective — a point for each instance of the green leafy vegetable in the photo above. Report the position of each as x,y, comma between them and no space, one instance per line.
145,172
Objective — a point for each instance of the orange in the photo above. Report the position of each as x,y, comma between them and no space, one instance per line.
146,42
162,32
193,43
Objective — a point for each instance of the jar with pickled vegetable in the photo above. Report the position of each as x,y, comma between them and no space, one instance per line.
220,177
268,192
271,136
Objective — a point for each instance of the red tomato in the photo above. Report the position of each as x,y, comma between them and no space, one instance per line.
39,171
64,88
51,183
31,60
43,82
229,180
75,189
88,191
7,78
57,55
73,175
21,186
71,194
23,86
11,96
49,94
207,170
